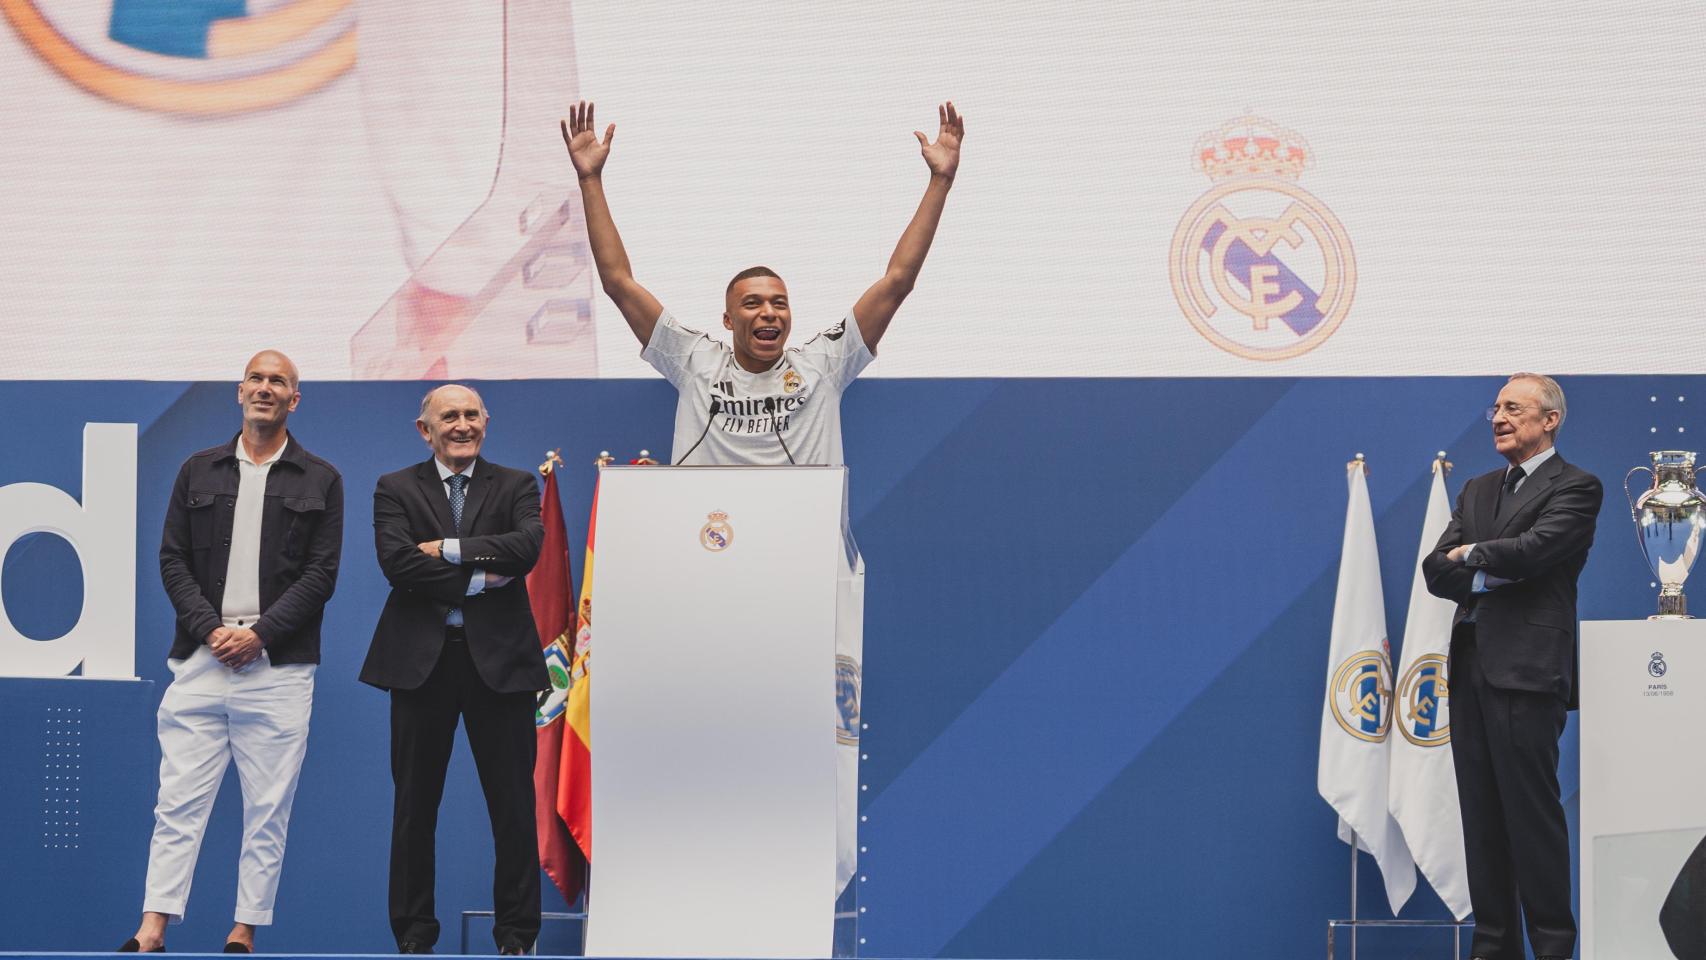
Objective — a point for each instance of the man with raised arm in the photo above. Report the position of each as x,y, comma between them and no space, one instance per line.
757,402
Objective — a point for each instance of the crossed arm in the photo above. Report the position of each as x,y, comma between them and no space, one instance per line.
1446,575
422,568
403,562
1563,528
874,309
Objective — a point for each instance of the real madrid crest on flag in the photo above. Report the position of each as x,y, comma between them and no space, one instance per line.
1361,695
1260,267
1424,696
716,535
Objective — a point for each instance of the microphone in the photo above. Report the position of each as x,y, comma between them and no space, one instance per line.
776,427
716,408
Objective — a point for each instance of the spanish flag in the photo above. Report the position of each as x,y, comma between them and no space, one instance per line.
574,777
550,589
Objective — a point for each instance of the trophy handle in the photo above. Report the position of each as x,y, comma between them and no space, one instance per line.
1633,515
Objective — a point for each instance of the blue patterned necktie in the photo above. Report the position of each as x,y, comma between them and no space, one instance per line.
458,496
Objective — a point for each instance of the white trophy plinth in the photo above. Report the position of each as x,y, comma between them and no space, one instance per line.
1643,795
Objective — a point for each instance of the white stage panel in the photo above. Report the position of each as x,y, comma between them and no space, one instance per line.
714,776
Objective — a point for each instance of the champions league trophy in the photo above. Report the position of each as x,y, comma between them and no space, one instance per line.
1669,520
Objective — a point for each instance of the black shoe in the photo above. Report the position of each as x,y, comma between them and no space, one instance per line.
410,946
235,947
131,946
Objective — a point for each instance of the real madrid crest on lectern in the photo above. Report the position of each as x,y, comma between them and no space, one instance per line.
716,535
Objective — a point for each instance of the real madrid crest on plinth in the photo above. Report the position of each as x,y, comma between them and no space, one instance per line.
1260,267
716,535
1669,519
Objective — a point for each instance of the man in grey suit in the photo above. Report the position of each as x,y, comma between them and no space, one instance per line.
1517,542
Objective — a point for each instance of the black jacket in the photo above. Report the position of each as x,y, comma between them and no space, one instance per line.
302,536
501,533
1526,630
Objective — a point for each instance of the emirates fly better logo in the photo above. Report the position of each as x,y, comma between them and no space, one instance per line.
1260,267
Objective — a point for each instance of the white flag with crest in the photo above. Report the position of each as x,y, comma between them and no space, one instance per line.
1423,785
1357,715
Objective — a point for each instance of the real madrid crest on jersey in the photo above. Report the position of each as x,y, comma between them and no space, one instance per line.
1361,695
199,58
790,380
716,535
1424,702
1260,267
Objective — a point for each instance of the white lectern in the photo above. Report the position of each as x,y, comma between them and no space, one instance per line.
719,593
1643,802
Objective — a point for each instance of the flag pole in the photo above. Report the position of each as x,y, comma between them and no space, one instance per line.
1353,895
1357,463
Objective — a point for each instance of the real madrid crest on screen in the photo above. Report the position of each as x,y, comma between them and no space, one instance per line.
716,535
1361,695
182,56
1260,267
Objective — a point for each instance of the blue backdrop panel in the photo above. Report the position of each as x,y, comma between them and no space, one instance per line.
76,798
1096,632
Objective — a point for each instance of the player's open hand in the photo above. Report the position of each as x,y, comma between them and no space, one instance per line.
943,156
586,151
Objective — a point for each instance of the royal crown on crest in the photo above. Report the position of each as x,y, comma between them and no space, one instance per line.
716,516
1249,146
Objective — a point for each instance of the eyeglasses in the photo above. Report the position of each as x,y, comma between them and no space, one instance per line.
1508,409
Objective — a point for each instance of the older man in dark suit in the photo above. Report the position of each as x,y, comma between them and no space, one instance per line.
1510,558
456,536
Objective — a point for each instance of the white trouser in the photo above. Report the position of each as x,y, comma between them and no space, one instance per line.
209,714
